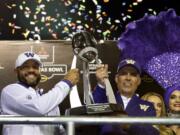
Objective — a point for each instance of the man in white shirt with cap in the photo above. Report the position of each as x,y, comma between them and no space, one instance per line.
24,98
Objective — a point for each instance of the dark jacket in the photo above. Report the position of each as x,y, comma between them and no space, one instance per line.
136,107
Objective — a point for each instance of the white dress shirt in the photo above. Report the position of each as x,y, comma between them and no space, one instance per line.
125,101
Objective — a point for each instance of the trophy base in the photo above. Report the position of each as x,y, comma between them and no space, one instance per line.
103,109
96,109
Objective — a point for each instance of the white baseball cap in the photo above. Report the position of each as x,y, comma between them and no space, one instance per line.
23,57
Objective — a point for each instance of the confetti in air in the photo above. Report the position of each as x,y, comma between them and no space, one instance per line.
61,19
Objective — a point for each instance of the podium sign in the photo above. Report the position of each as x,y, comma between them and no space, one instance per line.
96,109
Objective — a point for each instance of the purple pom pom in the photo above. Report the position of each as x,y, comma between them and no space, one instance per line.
165,69
154,43
151,36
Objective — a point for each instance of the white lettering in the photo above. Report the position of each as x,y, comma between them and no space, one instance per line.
43,69
56,69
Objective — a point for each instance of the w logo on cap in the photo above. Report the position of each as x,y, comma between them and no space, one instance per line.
23,57
29,54
130,61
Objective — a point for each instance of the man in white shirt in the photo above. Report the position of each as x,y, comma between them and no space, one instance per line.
24,98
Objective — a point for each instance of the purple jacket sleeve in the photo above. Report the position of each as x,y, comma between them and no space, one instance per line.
99,95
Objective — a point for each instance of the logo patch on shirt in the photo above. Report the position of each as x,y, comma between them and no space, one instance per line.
144,107
29,97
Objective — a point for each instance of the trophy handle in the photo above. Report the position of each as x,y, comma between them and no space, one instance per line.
74,96
109,91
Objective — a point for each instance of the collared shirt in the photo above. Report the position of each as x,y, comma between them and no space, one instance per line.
125,101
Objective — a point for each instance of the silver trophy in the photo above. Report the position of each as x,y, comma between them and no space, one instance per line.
84,47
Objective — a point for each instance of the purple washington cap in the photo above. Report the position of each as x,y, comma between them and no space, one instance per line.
129,62
168,93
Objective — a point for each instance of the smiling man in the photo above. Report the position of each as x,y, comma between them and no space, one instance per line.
27,69
127,80
24,98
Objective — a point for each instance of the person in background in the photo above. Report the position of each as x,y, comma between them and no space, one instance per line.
127,79
24,98
159,106
172,102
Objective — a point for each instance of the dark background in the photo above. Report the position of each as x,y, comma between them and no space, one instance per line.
60,19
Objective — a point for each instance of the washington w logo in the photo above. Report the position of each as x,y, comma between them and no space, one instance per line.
28,54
